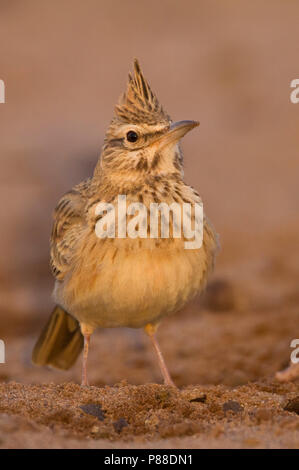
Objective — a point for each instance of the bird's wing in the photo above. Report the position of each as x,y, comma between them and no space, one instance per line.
69,223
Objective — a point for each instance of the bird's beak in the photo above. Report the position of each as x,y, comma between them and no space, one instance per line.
176,131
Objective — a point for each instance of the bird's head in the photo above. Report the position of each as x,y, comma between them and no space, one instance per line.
142,139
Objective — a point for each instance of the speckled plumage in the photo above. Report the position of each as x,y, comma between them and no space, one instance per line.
123,281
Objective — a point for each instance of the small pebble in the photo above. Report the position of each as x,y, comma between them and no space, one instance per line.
201,399
120,424
94,410
293,405
233,406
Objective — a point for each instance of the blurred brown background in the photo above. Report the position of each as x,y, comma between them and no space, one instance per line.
229,65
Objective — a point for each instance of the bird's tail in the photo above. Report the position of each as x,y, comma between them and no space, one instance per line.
60,342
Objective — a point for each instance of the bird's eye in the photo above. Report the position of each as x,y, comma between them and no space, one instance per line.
132,136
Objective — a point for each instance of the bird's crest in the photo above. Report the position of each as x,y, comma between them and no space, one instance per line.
139,104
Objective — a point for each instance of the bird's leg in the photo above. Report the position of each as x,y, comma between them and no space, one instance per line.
86,332
84,362
150,330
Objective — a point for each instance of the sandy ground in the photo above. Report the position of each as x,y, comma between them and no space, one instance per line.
229,65
231,342
149,416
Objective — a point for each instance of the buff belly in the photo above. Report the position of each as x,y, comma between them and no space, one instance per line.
132,287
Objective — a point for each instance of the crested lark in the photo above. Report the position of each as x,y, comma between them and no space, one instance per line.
129,282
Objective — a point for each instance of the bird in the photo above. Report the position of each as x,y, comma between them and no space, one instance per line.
124,281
